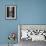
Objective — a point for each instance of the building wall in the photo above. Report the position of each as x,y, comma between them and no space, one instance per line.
28,12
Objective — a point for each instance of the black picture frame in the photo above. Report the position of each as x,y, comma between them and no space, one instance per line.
10,12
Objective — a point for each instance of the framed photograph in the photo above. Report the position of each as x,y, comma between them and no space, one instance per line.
10,12
33,32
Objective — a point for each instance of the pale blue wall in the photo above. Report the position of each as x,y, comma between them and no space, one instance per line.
28,12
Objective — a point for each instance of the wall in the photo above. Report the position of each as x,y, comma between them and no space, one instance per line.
28,12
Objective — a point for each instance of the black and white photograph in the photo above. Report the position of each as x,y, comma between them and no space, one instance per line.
11,12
